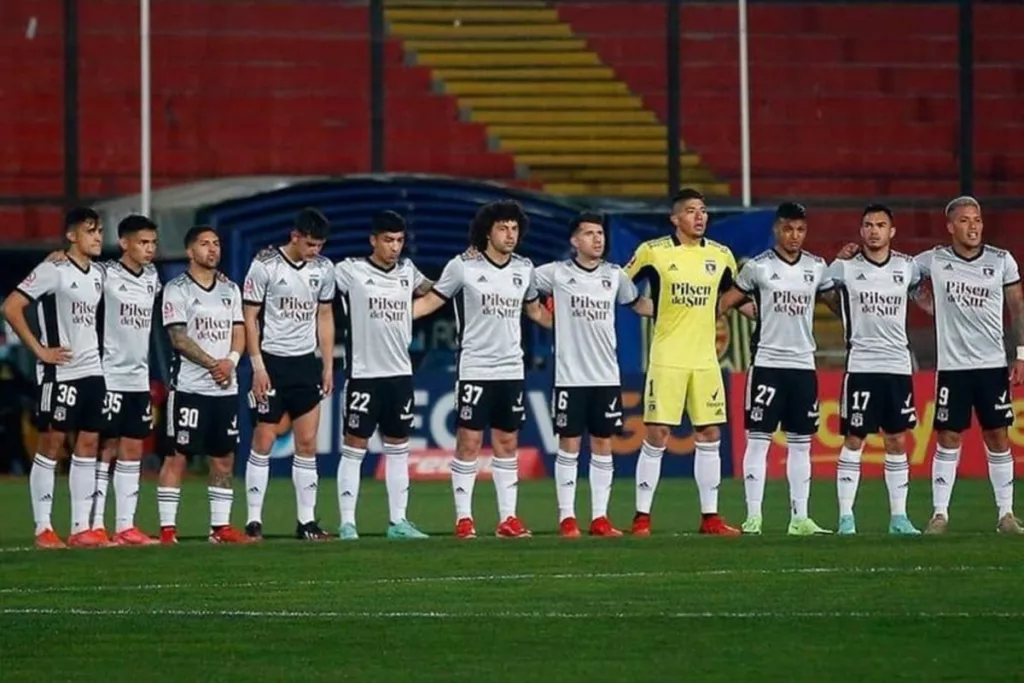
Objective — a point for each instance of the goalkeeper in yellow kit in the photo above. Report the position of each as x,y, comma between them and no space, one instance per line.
686,272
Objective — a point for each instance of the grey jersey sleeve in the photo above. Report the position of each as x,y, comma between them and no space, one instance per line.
826,283
418,278
42,280
343,276
236,305
256,281
836,272
328,289
746,279
531,287
628,293
544,278
924,263
175,312
1011,271
452,278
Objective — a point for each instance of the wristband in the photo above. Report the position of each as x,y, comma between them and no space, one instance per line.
257,363
1020,353
233,357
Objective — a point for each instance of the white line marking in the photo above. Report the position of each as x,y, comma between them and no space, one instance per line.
489,578
292,614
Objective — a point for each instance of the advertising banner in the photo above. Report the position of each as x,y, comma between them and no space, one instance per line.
827,442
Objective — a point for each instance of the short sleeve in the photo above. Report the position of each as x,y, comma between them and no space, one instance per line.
627,293
636,268
924,262
746,279
452,279
256,280
43,279
174,307
826,283
1011,271
418,278
544,278
836,272
343,276
914,276
236,306
531,287
327,289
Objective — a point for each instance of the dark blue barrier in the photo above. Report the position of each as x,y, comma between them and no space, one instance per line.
435,428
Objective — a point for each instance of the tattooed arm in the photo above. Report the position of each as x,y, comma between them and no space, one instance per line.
1015,303
831,299
189,348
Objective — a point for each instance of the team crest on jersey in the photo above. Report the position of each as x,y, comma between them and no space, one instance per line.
226,301
808,276
710,267
756,414
314,282
99,285
149,289
988,271
897,278
561,420
182,438
606,283
517,281
466,413
404,281
857,420
353,421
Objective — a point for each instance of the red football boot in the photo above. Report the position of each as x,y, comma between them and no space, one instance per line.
228,534
602,526
168,535
716,526
568,528
465,528
512,528
641,524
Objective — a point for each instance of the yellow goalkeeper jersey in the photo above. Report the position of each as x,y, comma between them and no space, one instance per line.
685,283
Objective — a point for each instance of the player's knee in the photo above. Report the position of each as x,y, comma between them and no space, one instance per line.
707,433
600,446
87,443
949,440
305,445
996,440
504,443
895,444
49,444
468,443
853,443
221,466
173,466
128,449
657,435
263,437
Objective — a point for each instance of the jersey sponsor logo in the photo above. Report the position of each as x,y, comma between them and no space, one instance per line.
586,308
875,303
211,329
967,295
249,288
134,316
294,308
30,279
791,303
499,306
686,294
83,313
168,309
388,310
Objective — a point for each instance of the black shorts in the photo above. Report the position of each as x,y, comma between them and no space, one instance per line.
873,401
598,410
294,388
127,414
202,425
494,403
72,406
379,402
986,391
783,397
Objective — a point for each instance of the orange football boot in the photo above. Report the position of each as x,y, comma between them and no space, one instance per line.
602,526
512,528
714,525
49,540
227,534
133,536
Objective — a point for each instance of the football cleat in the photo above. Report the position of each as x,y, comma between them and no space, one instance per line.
714,525
49,540
805,526
752,525
254,530
899,525
310,531
602,526
512,528
568,528
405,530
228,534
1008,524
937,525
168,535
92,538
465,528
847,526
133,536
641,524
348,532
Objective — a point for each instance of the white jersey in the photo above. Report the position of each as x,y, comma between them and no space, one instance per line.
209,316
969,305
67,298
379,307
127,322
290,294
785,295
585,303
874,300
488,312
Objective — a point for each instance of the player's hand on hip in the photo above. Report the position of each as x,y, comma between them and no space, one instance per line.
58,356
221,371
260,385
327,382
57,256
848,251
1017,372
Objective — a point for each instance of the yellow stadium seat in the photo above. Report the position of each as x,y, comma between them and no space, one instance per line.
563,88
466,31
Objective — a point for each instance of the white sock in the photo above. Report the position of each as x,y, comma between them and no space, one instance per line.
943,477
220,505
40,484
306,480
798,472
506,485
99,505
847,479
648,472
126,493
602,473
82,484
897,481
167,499
349,472
257,477
396,479
463,480
707,470
565,483
1000,473
755,469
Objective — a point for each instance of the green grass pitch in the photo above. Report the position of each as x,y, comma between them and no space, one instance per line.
675,607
